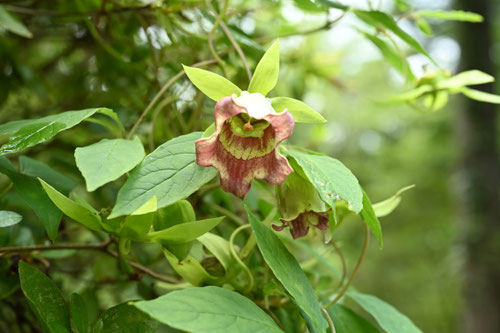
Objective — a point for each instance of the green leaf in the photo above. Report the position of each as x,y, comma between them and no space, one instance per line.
390,319
136,227
77,212
34,131
107,160
455,15
287,270
387,206
79,314
331,178
480,95
219,247
125,318
394,58
9,22
348,321
190,269
409,95
213,85
424,26
380,19
37,169
300,111
266,73
184,232
44,298
169,173
209,309
370,218
33,194
177,213
332,4
31,135
466,78
8,218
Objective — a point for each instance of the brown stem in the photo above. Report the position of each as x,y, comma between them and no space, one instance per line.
92,246
355,271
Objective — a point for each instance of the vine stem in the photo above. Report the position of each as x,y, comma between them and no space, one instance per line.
237,257
237,48
211,37
89,246
342,262
163,89
329,319
355,270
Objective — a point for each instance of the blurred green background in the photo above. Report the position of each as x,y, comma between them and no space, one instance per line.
120,59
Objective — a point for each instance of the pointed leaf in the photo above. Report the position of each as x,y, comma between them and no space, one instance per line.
370,218
219,247
34,195
44,298
12,24
480,95
387,206
380,19
331,178
266,74
169,173
37,169
184,232
287,270
107,160
72,209
454,15
34,131
209,309
467,78
213,85
390,319
300,111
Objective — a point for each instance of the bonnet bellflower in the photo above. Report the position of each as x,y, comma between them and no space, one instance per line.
243,146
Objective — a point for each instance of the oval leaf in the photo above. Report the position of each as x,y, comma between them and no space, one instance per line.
213,85
209,309
300,111
390,319
44,298
169,173
107,160
79,314
266,74
331,178
348,321
8,218
287,270
125,318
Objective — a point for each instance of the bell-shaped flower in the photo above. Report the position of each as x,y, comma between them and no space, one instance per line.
300,206
243,146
